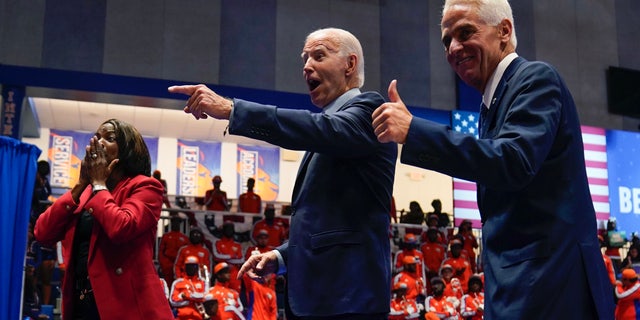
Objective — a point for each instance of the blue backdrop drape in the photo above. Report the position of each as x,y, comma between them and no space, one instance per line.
18,166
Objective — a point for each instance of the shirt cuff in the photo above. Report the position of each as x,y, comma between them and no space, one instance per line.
282,269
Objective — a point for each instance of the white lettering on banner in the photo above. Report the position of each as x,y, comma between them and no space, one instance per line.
629,200
62,152
189,170
248,167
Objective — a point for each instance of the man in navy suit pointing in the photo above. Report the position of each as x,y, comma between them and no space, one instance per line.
337,259
540,250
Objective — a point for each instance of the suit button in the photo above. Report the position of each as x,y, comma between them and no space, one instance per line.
90,210
68,207
119,271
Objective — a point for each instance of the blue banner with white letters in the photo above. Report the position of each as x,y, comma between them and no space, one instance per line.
623,152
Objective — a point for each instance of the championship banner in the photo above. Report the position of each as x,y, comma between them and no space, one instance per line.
66,151
198,162
623,152
262,164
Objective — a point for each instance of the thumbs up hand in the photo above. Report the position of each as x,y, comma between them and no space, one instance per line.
391,120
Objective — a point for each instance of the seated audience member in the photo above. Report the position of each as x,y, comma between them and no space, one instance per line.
628,295
401,307
170,243
229,304
226,249
432,222
433,252
632,260
415,285
415,214
472,303
459,263
443,218
438,304
276,230
469,242
452,287
250,201
187,292
410,249
194,248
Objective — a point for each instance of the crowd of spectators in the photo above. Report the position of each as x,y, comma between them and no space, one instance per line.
436,269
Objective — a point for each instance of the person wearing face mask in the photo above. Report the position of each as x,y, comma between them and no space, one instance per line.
274,228
438,304
195,248
227,249
188,292
107,224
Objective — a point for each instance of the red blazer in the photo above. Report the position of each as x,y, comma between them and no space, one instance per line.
120,262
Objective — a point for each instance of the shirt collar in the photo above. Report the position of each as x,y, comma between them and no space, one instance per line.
492,84
341,100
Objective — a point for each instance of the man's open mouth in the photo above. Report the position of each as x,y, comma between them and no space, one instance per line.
313,84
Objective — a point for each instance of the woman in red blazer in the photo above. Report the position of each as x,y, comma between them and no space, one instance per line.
107,224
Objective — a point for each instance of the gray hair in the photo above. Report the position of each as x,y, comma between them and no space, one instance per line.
492,12
347,44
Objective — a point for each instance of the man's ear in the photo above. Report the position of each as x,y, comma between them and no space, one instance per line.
505,28
352,63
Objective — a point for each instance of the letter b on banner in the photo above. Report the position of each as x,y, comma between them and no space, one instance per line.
629,200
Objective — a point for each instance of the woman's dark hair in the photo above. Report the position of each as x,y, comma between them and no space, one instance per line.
132,150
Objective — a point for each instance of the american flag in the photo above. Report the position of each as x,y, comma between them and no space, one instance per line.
465,204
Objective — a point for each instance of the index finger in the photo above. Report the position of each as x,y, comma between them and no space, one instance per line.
184,89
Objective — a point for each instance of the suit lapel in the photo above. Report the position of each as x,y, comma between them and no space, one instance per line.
302,172
488,120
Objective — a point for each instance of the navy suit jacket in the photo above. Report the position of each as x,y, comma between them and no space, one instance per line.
540,250
338,253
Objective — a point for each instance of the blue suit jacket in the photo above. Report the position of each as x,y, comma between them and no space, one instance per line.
338,253
540,249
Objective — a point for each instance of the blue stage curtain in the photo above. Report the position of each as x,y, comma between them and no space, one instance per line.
17,177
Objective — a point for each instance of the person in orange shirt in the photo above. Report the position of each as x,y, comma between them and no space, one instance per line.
433,252
170,243
460,264
608,264
215,199
628,295
276,230
229,304
452,287
409,249
402,308
261,246
415,285
194,248
250,201
472,306
437,302
432,220
469,242
226,249
187,293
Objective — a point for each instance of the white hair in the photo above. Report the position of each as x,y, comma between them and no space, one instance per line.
347,44
492,12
